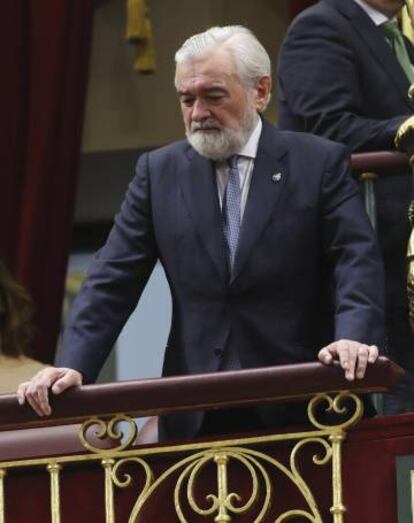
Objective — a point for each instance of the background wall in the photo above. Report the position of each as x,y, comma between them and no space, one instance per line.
129,110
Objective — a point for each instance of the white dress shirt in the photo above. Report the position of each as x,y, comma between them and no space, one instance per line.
376,16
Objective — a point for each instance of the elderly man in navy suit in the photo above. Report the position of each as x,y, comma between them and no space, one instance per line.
344,73
266,246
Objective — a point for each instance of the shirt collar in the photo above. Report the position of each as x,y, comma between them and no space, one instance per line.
376,16
250,149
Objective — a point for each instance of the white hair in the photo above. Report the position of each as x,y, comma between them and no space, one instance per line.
250,57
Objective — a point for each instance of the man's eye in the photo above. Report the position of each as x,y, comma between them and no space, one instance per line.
215,98
188,102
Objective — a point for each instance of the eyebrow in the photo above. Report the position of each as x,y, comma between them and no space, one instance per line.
208,90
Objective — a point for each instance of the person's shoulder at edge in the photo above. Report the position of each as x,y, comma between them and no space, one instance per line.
330,9
320,16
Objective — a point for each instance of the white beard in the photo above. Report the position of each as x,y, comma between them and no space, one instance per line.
220,144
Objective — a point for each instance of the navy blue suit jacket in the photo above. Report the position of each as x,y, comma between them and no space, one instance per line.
339,78
307,270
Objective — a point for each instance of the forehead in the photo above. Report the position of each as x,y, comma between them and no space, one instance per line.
215,67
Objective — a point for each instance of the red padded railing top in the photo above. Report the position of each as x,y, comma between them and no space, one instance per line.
379,161
203,391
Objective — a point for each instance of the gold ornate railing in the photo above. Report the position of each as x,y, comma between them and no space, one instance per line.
234,479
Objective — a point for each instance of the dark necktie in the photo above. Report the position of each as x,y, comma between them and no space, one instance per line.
231,209
396,40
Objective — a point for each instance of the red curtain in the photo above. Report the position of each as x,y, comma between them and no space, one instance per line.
296,6
44,55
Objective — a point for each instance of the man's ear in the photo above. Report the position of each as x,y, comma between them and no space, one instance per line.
262,89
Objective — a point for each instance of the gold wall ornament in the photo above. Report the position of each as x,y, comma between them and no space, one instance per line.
104,429
139,33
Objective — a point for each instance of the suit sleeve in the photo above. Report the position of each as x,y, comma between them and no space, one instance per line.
114,282
350,245
319,88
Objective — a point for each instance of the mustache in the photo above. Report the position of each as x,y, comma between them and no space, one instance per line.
210,123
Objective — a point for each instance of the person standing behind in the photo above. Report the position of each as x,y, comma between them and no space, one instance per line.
344,73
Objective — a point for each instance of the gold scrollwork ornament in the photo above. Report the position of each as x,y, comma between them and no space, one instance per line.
107,430
340,405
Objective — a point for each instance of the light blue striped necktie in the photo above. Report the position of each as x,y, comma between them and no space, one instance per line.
231,209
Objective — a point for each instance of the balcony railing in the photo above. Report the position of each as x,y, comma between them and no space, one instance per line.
232,478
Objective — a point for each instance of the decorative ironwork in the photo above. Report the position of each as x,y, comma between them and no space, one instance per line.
222,503
2,475
126,482
54,470
108,430
225,499
107,464
337,405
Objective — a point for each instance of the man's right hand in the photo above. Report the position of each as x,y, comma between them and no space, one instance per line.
36,391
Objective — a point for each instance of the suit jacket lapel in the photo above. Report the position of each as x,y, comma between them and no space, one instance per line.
381,51
199,187
268,179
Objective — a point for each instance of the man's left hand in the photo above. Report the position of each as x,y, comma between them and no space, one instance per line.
353,357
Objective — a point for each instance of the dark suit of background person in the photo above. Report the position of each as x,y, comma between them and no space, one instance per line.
305,235
339,78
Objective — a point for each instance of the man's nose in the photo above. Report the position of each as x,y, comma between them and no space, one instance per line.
200,110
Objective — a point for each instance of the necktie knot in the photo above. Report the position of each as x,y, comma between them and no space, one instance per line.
391,29
233,162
